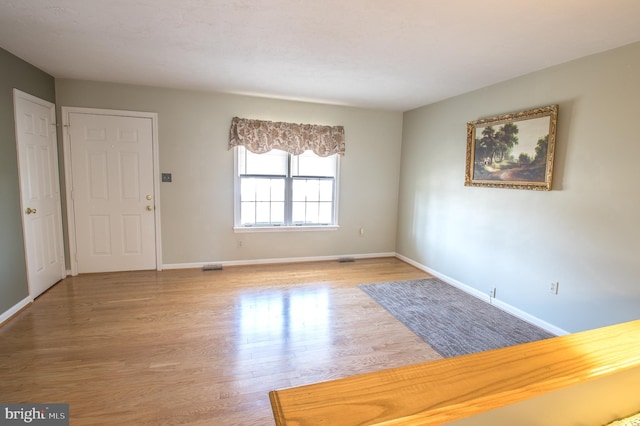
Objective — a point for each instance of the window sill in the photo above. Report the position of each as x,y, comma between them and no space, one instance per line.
239,229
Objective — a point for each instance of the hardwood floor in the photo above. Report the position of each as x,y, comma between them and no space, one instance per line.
193,347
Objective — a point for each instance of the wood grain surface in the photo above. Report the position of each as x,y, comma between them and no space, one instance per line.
441,391
201,348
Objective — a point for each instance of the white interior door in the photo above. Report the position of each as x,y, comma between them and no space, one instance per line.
113,197
39,191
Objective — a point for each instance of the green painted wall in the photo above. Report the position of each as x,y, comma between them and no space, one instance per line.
14,73
583,234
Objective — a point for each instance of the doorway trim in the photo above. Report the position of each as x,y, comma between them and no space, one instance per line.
66,148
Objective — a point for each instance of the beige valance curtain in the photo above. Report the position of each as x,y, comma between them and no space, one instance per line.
262,136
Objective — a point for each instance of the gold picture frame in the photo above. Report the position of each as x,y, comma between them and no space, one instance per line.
512,150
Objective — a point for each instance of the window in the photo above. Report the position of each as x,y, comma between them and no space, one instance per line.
277,189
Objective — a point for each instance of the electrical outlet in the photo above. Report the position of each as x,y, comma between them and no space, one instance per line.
553,288
492,292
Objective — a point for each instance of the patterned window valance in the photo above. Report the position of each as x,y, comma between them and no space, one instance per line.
263,136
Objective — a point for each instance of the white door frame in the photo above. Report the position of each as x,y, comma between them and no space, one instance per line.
66,146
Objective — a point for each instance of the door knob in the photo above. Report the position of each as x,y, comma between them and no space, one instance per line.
149,208
29,210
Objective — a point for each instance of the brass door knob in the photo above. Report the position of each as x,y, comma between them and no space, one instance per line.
149,208
29,210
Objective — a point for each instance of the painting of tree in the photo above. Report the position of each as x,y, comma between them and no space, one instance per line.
512,150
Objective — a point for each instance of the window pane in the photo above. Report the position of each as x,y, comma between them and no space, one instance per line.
274,162
326,190
310,190
263,212
309,164
325,215
313,190
247,189
297,213
248,213
299,190
263,189
277,212
277,190
312,213
309,213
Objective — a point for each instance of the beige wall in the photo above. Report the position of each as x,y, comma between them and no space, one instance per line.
583,234
197,208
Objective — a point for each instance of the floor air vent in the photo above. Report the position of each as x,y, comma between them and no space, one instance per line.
212,267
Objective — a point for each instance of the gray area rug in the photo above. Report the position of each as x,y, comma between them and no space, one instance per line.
451,321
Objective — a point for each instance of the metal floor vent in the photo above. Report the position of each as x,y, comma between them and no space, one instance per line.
346,259
212,267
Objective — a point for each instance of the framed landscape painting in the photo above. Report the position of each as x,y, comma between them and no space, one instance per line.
512,150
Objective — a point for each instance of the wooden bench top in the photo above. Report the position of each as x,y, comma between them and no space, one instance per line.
445,390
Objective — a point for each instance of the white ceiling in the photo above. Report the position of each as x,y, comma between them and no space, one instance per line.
383,54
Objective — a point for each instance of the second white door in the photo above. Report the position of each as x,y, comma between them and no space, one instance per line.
112,192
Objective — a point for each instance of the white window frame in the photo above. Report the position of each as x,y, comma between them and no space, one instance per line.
238,227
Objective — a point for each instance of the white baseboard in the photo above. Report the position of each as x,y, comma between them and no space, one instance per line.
14,309
277,260
485,298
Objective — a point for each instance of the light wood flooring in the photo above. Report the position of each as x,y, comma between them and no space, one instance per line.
203,348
